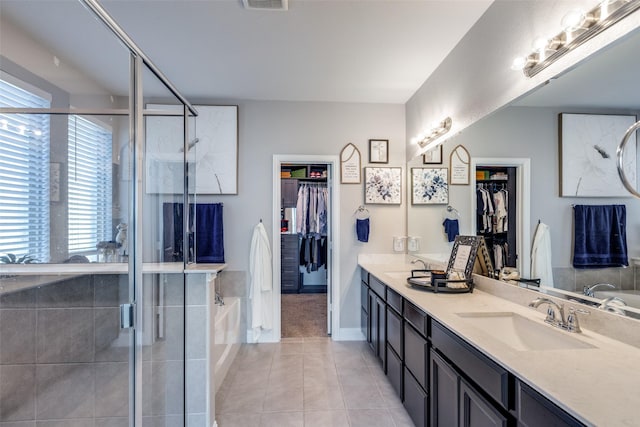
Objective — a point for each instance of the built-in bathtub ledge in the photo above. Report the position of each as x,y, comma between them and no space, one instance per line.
18,277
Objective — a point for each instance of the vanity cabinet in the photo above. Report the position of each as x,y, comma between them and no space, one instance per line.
441,379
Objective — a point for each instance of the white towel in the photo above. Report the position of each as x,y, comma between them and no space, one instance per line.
260,290
541,256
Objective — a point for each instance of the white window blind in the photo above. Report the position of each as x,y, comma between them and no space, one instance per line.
24,175
90,185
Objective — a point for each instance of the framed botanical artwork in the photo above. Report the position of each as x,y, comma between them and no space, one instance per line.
383,186
350,165
429,186
378,151
588,144
433,156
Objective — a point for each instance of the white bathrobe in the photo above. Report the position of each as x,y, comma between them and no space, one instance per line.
261,281
541,256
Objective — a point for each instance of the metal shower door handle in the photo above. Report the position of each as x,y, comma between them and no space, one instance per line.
620,163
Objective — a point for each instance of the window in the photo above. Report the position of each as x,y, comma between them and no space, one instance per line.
90,185
24,173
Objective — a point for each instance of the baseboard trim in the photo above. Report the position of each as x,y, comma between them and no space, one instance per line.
348,334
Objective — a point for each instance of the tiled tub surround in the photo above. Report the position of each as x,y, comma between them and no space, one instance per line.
566,377
63,355
65,361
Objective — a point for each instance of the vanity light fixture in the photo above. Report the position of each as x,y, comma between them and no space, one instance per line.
425,139
578,27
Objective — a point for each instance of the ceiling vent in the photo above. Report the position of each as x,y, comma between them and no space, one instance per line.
266,4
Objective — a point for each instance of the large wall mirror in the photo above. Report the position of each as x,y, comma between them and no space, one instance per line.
604,84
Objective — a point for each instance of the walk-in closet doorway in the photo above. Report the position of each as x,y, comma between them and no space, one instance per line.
299,286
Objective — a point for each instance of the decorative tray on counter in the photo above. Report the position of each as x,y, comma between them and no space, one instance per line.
436,281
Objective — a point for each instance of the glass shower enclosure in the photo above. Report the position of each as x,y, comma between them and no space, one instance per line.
92,317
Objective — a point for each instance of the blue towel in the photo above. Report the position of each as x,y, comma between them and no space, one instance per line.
209,233
209,236
600,236
362,229
452,228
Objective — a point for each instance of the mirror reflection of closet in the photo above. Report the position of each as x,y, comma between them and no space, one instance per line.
496,209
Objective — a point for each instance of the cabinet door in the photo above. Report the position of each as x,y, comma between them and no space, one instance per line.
475,411
381,342
444,393
415,400
373,320
394,371
394,332
416,355
534,410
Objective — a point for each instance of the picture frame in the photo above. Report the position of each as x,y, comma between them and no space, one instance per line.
212,154
378,151
383,185
468,255
433,156
459,161
350,165
588,144
429,186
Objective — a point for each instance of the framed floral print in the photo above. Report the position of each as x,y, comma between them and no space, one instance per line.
383,186
429,186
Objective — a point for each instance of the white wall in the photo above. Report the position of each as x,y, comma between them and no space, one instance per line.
269,128
476,79
529,133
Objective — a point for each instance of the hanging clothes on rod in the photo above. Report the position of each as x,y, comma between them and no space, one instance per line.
312,223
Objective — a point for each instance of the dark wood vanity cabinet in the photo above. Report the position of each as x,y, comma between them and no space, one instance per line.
441,379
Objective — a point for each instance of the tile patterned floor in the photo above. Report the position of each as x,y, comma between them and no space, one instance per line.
310,382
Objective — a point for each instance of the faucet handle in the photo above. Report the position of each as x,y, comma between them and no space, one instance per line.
573,325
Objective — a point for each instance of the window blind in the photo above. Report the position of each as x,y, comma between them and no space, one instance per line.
90,185
24,175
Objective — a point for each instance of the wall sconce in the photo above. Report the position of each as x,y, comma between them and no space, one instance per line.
424,139
577,27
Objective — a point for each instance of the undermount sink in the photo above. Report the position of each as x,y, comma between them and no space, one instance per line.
398,274
523,334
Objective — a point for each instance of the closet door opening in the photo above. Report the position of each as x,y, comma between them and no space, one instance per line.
305,224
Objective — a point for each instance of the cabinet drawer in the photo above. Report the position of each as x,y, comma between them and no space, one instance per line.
394,332
416,355
394,300
416,317
394,371
415,400
364,296
378,287
364,275
487,374
533,410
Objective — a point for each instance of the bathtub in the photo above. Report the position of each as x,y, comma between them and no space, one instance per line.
226,340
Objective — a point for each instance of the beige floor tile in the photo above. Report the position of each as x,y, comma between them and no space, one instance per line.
348,346
244,401
323,398
282,419
286,379
238,420
283,399
392,400
317,346
362,397
360,376
326,419
318,359
370,418
401,418
320,377
248,380
290,348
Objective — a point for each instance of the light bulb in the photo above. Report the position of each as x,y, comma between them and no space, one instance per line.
573,20
519,63
37,132
540,44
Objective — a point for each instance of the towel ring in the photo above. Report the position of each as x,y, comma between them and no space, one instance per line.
620,162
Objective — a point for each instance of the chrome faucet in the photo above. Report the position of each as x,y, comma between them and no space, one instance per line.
555,320
417,260
613,305
590,290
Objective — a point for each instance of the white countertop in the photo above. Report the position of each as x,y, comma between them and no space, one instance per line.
599,386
